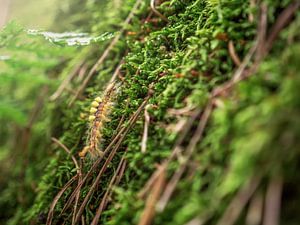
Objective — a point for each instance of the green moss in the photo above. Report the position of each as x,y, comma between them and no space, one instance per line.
252,131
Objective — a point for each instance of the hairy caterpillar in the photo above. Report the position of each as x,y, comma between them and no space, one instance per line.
99,111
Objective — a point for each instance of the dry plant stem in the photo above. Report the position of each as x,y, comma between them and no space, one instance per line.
65,82
273,202
120,124
152,5
252,5
122,134
235,58
81,73
149,211
176,149
68,152
147,187
106,195
189,151
77,189
57,197
146,127
261,35
78,168
106,52
196,221
121,173
77,195
254,215
237,77
117,71
237,204
283,19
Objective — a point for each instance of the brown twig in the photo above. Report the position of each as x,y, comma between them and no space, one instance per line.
282,20
66,81
149,210
238,203
68,152
238,75
80,184
81,73
146,127
235,58
262,32
189,151
121,173
116,72
254,215
107,193
78,168
57,197
177,148
273,202
77,195
153,8
106,52
250,16
149,184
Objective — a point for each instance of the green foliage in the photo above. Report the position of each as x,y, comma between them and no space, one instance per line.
253,131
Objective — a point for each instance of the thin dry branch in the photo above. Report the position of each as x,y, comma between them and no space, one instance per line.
149,210
255,209
66,81
235,58
273,202
176,149
77,195
262,32
153,8
57,197
108,191
252,5
78,169
68,152
283,19
146,127
238,203
117,71
189,151
105,53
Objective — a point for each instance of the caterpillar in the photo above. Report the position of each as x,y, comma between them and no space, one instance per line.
99,112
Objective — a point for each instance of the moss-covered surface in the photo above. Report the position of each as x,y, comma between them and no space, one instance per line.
252,136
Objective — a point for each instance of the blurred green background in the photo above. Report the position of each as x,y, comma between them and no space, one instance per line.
32,13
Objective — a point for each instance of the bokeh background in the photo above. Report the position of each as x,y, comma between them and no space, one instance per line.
30,13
